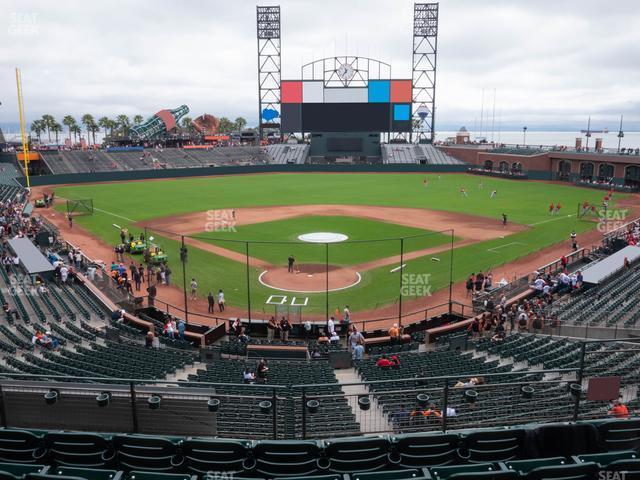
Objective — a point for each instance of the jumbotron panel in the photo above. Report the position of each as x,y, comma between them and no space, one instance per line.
310,106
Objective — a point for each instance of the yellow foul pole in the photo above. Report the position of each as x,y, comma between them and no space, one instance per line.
23,129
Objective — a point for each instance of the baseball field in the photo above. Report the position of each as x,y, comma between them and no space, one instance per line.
399,231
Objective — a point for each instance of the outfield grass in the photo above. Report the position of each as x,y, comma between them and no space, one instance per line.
523,201
368,239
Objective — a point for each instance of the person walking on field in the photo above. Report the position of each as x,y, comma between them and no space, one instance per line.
291,262
194,288
220,300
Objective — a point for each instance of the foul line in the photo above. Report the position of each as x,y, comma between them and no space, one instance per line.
505,245
105,211
394,270
550,220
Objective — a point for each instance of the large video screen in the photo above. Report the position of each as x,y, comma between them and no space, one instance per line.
382,106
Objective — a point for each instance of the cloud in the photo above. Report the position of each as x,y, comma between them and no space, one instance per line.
550,62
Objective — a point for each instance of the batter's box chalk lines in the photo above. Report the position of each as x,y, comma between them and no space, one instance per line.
505,245
554,219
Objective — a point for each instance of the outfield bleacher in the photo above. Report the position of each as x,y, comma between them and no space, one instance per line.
416,154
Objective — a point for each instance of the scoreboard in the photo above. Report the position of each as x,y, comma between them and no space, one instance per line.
310,106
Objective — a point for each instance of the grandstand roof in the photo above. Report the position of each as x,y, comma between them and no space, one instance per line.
610,265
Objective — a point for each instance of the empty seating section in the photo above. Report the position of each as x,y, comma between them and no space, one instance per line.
334,416
505,453
420,154
612,303
287,153
81,161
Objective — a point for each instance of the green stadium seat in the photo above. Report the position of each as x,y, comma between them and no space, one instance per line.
73,449
583,471
21,446
357,454
20,469
604,459
140,475
494,445
411,474
501,475
286,457
312,477
620,434
444,472
203,456
416,450
524,466
87,473
630,468
137,452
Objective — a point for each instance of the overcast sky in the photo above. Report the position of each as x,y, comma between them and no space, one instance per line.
552,63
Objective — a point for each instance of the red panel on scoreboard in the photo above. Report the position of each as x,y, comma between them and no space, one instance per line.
291,92
400,91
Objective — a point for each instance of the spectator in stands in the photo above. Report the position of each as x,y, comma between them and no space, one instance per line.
248,376
64,274
212,303
148,340
10,311
152,292
262,371
394,334
400,419
355,338
308,330
358,351
315,353
472,382
169,329
331,325
181,329
285,328
619,410
272,326
117,316
236,327
243,337
383,362
334,338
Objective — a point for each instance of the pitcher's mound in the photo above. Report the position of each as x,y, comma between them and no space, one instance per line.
309,278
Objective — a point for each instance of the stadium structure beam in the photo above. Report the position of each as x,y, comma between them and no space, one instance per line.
425,49
269,69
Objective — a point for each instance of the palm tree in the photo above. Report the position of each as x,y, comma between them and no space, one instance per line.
186,123
138,119
48,122
75,129
94,128
68,121
240,123
87,120
37,126
57,129
226,125
124,123
104,122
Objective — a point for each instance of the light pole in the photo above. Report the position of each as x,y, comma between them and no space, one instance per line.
524,136
620,133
